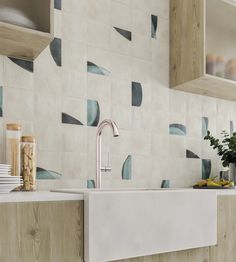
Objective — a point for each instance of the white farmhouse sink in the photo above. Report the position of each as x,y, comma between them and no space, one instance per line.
122,224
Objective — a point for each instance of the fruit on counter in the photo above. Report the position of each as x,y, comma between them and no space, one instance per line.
202,183
213,182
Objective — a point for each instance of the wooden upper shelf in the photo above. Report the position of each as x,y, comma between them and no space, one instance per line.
26,43
195,32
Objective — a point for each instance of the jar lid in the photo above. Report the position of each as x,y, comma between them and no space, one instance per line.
13,126
30,139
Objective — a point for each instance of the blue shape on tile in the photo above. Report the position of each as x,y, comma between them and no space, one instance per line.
1,101
90,183
190,154
27,65
127,168
93,112
231,128
154,22
165,184
57,4
177,129
68,119
95,69
125,33
137,94
55,49
206,168
47,174
204,126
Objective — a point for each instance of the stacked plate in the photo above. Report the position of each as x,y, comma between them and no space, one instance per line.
8,182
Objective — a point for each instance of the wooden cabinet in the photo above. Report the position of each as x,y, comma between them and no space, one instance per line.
41,232
26,27
202,47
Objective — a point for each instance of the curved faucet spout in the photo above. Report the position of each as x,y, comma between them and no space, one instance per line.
99,169
108,122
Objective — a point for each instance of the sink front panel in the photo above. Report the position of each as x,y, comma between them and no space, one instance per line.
128,224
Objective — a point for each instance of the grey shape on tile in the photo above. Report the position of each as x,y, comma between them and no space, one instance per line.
93,112
165,184
27,65
125,33
127,168
90,183
1,101
190,154
205,123
231,128
57,4
95,69
154,22
55,49
206,168
68,119
47,174
137,94
177,129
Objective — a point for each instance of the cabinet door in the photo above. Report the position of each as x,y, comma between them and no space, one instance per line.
41,232
225,250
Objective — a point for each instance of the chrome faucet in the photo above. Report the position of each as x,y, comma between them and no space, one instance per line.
100,169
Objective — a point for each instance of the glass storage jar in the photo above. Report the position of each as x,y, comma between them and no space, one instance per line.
28,152
13,157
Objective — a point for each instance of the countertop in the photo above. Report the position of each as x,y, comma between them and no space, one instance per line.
77,194
38,196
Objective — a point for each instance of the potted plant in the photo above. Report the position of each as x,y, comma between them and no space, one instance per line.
226,149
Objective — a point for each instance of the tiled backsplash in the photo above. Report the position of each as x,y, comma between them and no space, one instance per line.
110,59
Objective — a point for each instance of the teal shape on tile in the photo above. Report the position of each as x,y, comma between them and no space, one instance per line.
165,184
205,122
127,168
93,112
137,94
90,183
177,129
27,65
206,168
125,33
55,49
1,101
57,4
190,154
231,128
47,174
154,22
68,119
95,69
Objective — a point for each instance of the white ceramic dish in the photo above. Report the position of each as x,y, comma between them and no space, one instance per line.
6,188
5,179
11,183
5,165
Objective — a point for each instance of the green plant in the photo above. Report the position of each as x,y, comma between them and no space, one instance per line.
225,149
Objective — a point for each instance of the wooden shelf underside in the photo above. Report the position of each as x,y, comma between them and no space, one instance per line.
24,43
210,86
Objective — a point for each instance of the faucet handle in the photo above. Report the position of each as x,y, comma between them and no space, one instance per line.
107,168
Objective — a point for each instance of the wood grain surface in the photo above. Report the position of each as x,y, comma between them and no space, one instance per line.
41,232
